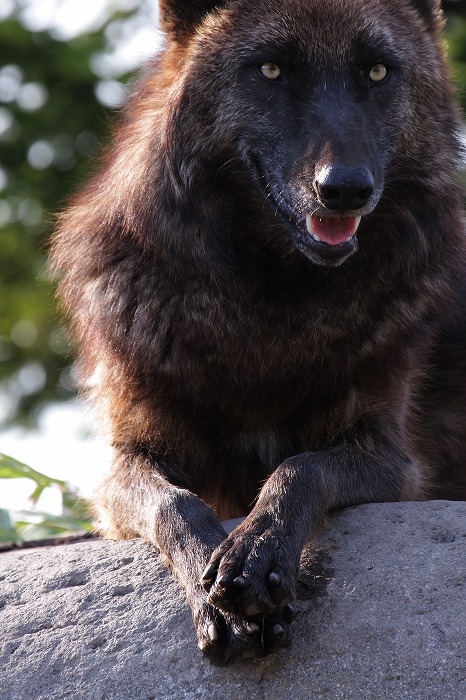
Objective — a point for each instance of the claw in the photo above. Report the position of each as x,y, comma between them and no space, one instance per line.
289,613
252,609
274,579
239,581
252,628
208,577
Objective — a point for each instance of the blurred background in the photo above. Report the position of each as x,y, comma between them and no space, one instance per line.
65,66
64,70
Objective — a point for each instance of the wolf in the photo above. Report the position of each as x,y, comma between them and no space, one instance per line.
265,277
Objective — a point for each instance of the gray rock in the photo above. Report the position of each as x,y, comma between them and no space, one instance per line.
382,614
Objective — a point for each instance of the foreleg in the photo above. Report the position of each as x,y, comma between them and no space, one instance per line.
137,500
253,571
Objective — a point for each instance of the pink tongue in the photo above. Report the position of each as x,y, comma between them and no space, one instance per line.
334,230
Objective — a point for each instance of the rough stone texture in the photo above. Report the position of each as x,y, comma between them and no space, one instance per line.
382,614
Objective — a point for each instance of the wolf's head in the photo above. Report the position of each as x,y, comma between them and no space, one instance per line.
325,108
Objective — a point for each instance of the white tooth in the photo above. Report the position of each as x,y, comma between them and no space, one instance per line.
310,228
309,224
358,221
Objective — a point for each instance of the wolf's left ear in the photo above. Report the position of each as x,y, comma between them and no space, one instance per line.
180,17
430,11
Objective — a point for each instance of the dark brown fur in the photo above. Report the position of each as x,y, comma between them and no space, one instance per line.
242,368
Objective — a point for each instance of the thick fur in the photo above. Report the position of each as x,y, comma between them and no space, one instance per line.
241,367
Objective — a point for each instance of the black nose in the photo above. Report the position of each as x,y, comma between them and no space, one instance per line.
341,187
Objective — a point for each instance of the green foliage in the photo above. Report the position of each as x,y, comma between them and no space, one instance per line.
34,524
456,33
50,124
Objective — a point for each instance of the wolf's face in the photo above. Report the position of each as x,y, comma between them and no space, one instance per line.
316,111
324,141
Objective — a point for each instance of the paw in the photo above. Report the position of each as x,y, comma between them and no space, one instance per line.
225,637
251,574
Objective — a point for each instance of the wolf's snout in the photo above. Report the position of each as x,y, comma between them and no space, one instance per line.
343,188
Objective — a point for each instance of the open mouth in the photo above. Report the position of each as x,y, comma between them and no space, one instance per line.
326,238
332,230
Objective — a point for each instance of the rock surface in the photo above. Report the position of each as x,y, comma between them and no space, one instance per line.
381,614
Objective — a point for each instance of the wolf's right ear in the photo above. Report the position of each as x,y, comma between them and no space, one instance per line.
180,17
430,11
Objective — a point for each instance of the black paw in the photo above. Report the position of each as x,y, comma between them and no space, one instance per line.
251,574
225,637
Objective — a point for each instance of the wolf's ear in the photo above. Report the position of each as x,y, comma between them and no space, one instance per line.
180,17
430,11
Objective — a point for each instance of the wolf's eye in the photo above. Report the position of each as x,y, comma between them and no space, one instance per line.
378,73
270,70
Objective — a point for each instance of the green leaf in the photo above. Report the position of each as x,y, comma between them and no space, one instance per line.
65,523
8,531
11,468
34,524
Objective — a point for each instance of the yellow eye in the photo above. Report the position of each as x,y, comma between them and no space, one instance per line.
378,73
270,70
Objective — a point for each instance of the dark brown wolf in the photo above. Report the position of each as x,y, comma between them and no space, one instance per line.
266,279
